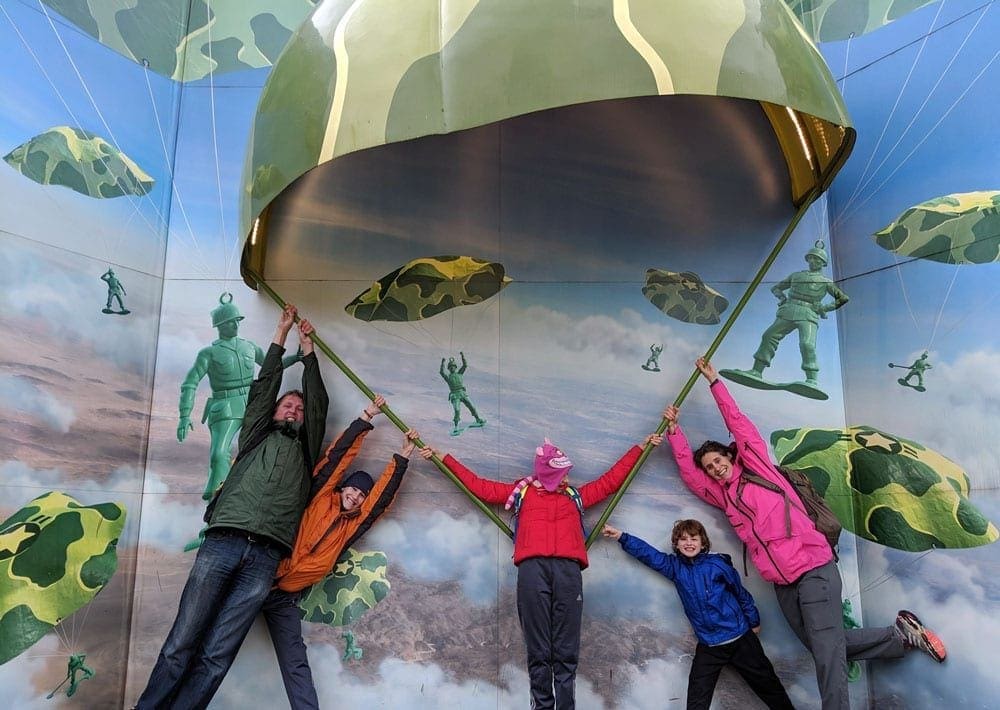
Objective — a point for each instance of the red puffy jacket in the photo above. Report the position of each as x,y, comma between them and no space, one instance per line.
549,523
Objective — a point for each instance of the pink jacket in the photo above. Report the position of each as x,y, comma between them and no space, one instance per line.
756,513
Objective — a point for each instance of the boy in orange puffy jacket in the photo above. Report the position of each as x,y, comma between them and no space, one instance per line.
341,510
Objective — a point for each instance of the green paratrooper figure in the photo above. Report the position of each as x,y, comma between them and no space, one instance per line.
457,394
350,649
917,369
76,665
653,362
229,363
800,306
115,292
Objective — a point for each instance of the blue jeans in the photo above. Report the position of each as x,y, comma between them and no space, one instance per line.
230,578
281,612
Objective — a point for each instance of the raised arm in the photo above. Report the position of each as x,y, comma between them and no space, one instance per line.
315,399
662,562
743,430
461,370
264,390
488,491
342,451
441,371
699,482
384,491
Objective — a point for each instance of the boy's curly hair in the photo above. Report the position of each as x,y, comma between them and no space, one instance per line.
690,527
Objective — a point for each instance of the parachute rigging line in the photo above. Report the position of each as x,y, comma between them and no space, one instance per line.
846,211
899,97
97,109
390,415
169,164
230,253
800,212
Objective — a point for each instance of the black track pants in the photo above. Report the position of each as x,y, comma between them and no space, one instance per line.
550,608
747,657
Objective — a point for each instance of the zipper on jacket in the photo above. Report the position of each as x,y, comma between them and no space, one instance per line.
753,519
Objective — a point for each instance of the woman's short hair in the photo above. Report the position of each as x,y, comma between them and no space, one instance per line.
692,528
714,447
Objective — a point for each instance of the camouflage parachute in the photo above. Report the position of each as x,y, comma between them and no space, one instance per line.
684,296
963,228
81,161
356,584
356,76
427,286
831,20
217,36
55,555
887,489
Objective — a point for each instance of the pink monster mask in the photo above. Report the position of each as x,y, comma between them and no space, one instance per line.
551,466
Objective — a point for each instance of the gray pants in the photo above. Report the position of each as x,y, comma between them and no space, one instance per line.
812,606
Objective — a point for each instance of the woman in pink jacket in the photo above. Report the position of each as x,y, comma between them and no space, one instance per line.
786,548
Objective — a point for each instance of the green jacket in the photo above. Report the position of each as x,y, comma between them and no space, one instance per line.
268,486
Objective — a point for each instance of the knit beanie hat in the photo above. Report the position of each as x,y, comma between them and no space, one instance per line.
360,480
551,466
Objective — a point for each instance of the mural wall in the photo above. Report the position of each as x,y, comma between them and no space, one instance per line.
577,211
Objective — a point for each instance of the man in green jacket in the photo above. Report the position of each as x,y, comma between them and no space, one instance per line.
252,524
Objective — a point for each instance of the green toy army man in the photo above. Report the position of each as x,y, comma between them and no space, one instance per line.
457,394
917,369
800,307
229,363
76,665
653,361
115,292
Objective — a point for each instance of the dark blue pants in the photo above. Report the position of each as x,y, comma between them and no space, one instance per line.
550,607
230,578
281,612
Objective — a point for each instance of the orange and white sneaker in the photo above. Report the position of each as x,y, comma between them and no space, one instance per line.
915,635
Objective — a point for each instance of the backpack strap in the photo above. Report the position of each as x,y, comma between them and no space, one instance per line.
749,476
516,499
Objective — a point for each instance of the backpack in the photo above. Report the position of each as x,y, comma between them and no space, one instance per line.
568,490
812,503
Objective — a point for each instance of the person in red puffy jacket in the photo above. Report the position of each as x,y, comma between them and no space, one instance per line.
550,553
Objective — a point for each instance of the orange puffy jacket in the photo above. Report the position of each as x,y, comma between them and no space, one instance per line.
326,531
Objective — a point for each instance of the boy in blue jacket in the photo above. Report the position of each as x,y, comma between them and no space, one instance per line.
721,611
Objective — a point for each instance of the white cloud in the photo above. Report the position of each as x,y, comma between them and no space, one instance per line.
20,394
437,547
17,676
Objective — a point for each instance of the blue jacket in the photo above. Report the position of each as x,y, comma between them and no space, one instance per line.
719,608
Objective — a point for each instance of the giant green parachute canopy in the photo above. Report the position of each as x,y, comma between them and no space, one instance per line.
55,555
684,296
217,36
963,228
81,161
356,584
424,287
887,489
830,20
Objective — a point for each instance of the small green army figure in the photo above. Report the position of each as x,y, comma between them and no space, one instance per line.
115,292
653,362
76,665
350,649
917,369
229,363
457,394
800,307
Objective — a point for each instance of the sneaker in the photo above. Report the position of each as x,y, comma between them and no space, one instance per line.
915,635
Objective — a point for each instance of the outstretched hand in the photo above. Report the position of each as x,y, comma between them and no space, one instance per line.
428,453
654,439
306,330
285,322
672,414
612,532
410,443
707,369
374,408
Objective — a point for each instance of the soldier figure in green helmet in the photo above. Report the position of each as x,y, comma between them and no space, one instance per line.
115,292
229,364
917,369
457,394
800,306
